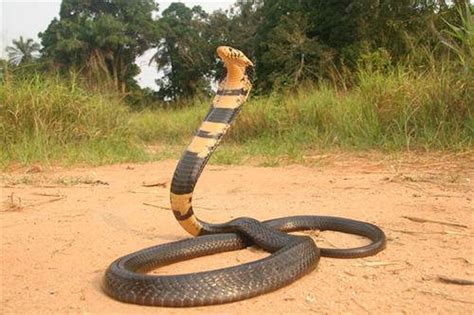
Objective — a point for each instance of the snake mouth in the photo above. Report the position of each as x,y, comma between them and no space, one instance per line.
232,55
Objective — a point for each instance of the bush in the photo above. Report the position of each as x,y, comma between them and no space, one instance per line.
43,117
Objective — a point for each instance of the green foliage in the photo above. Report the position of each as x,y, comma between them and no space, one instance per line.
392,74
169,126
290,53
291,42
393,108
295,41
49,118
23,51
460,38
3,70
183,51
101,38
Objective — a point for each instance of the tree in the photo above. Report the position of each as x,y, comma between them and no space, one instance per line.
399,26
186,47
290,53
23,51
184,54
286,51
102,38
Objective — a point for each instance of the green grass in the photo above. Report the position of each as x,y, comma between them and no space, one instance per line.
52,120
399,109
170,126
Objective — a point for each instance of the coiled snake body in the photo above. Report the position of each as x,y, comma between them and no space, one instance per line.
291,256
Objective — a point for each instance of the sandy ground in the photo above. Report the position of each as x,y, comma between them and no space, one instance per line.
61,228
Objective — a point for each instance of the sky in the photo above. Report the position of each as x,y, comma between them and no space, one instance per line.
29,17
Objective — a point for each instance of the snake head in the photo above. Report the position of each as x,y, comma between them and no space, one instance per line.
233,56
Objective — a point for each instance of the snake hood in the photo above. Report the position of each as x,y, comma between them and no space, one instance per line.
233,56
231,95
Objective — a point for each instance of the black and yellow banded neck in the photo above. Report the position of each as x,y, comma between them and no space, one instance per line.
230,96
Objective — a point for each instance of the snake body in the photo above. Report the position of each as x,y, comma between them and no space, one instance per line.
292,256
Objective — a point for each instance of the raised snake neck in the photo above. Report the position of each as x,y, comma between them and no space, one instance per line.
231,95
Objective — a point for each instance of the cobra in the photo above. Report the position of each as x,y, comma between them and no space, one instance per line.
292,256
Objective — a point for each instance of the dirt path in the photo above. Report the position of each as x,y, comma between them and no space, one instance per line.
60,229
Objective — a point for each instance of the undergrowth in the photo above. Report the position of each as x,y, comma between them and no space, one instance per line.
53,120
49,119
392,110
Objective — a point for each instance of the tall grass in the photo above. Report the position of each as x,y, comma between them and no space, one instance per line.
170,126
51,119
47,118
395,109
